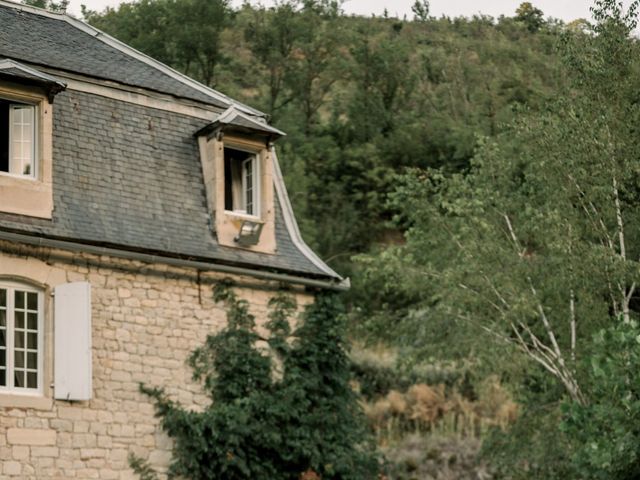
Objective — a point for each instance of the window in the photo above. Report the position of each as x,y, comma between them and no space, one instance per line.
21,333
241,182
17,138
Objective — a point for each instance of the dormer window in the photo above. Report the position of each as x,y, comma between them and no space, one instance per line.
237,168
17,138
241,182
26,139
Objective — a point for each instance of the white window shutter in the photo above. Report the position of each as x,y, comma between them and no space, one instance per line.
72,315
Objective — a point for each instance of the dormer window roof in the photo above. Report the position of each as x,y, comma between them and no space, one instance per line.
23,74
240,123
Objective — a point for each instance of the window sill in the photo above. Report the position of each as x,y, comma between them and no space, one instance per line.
18,177
25,196
25,401
243,216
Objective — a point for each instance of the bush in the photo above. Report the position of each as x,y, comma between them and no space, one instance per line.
607,430
288,414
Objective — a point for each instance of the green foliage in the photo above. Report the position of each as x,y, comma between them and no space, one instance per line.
532,17
532,448
535,248
607,430
181,33
420,10
275,411
58,7
141,468
544,223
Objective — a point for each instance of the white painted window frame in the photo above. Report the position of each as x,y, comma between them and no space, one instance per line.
253,165
11,287
13,106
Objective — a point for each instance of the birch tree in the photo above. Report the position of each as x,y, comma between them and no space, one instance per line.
537,244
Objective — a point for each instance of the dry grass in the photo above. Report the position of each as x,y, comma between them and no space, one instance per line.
424,408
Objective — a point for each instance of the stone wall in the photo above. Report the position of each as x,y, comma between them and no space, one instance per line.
146,321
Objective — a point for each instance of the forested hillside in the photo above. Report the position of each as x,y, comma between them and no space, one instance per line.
477,178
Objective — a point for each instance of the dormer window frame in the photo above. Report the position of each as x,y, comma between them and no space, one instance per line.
227,223
30,195
237,186
13,106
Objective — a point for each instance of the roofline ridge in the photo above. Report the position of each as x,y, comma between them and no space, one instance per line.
132,52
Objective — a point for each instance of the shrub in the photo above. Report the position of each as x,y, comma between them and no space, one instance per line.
606,431
303,423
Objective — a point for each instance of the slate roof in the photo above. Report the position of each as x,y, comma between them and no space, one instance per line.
64,43
139,185
129,176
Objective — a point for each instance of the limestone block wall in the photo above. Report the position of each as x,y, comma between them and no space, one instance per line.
146,319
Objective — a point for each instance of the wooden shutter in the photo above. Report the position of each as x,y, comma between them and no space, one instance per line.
72,317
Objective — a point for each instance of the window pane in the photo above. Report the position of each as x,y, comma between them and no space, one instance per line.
32,360
32,321
19,359
248,185
32,301
19,319
32,380
22,354
22,133
19,339
19,296
18,379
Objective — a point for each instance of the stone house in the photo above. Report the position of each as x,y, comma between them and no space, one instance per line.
126,191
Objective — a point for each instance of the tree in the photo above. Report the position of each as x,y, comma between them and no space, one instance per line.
536,244
530,16
182,33
421,10
146,25
198,25
315,70
276,413
271,35
606,431
58,7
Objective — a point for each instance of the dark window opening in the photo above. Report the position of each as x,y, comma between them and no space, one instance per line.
4,136
240,188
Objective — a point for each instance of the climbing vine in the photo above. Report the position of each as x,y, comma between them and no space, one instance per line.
281,407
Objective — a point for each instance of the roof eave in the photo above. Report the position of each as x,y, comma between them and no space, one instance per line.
157,258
